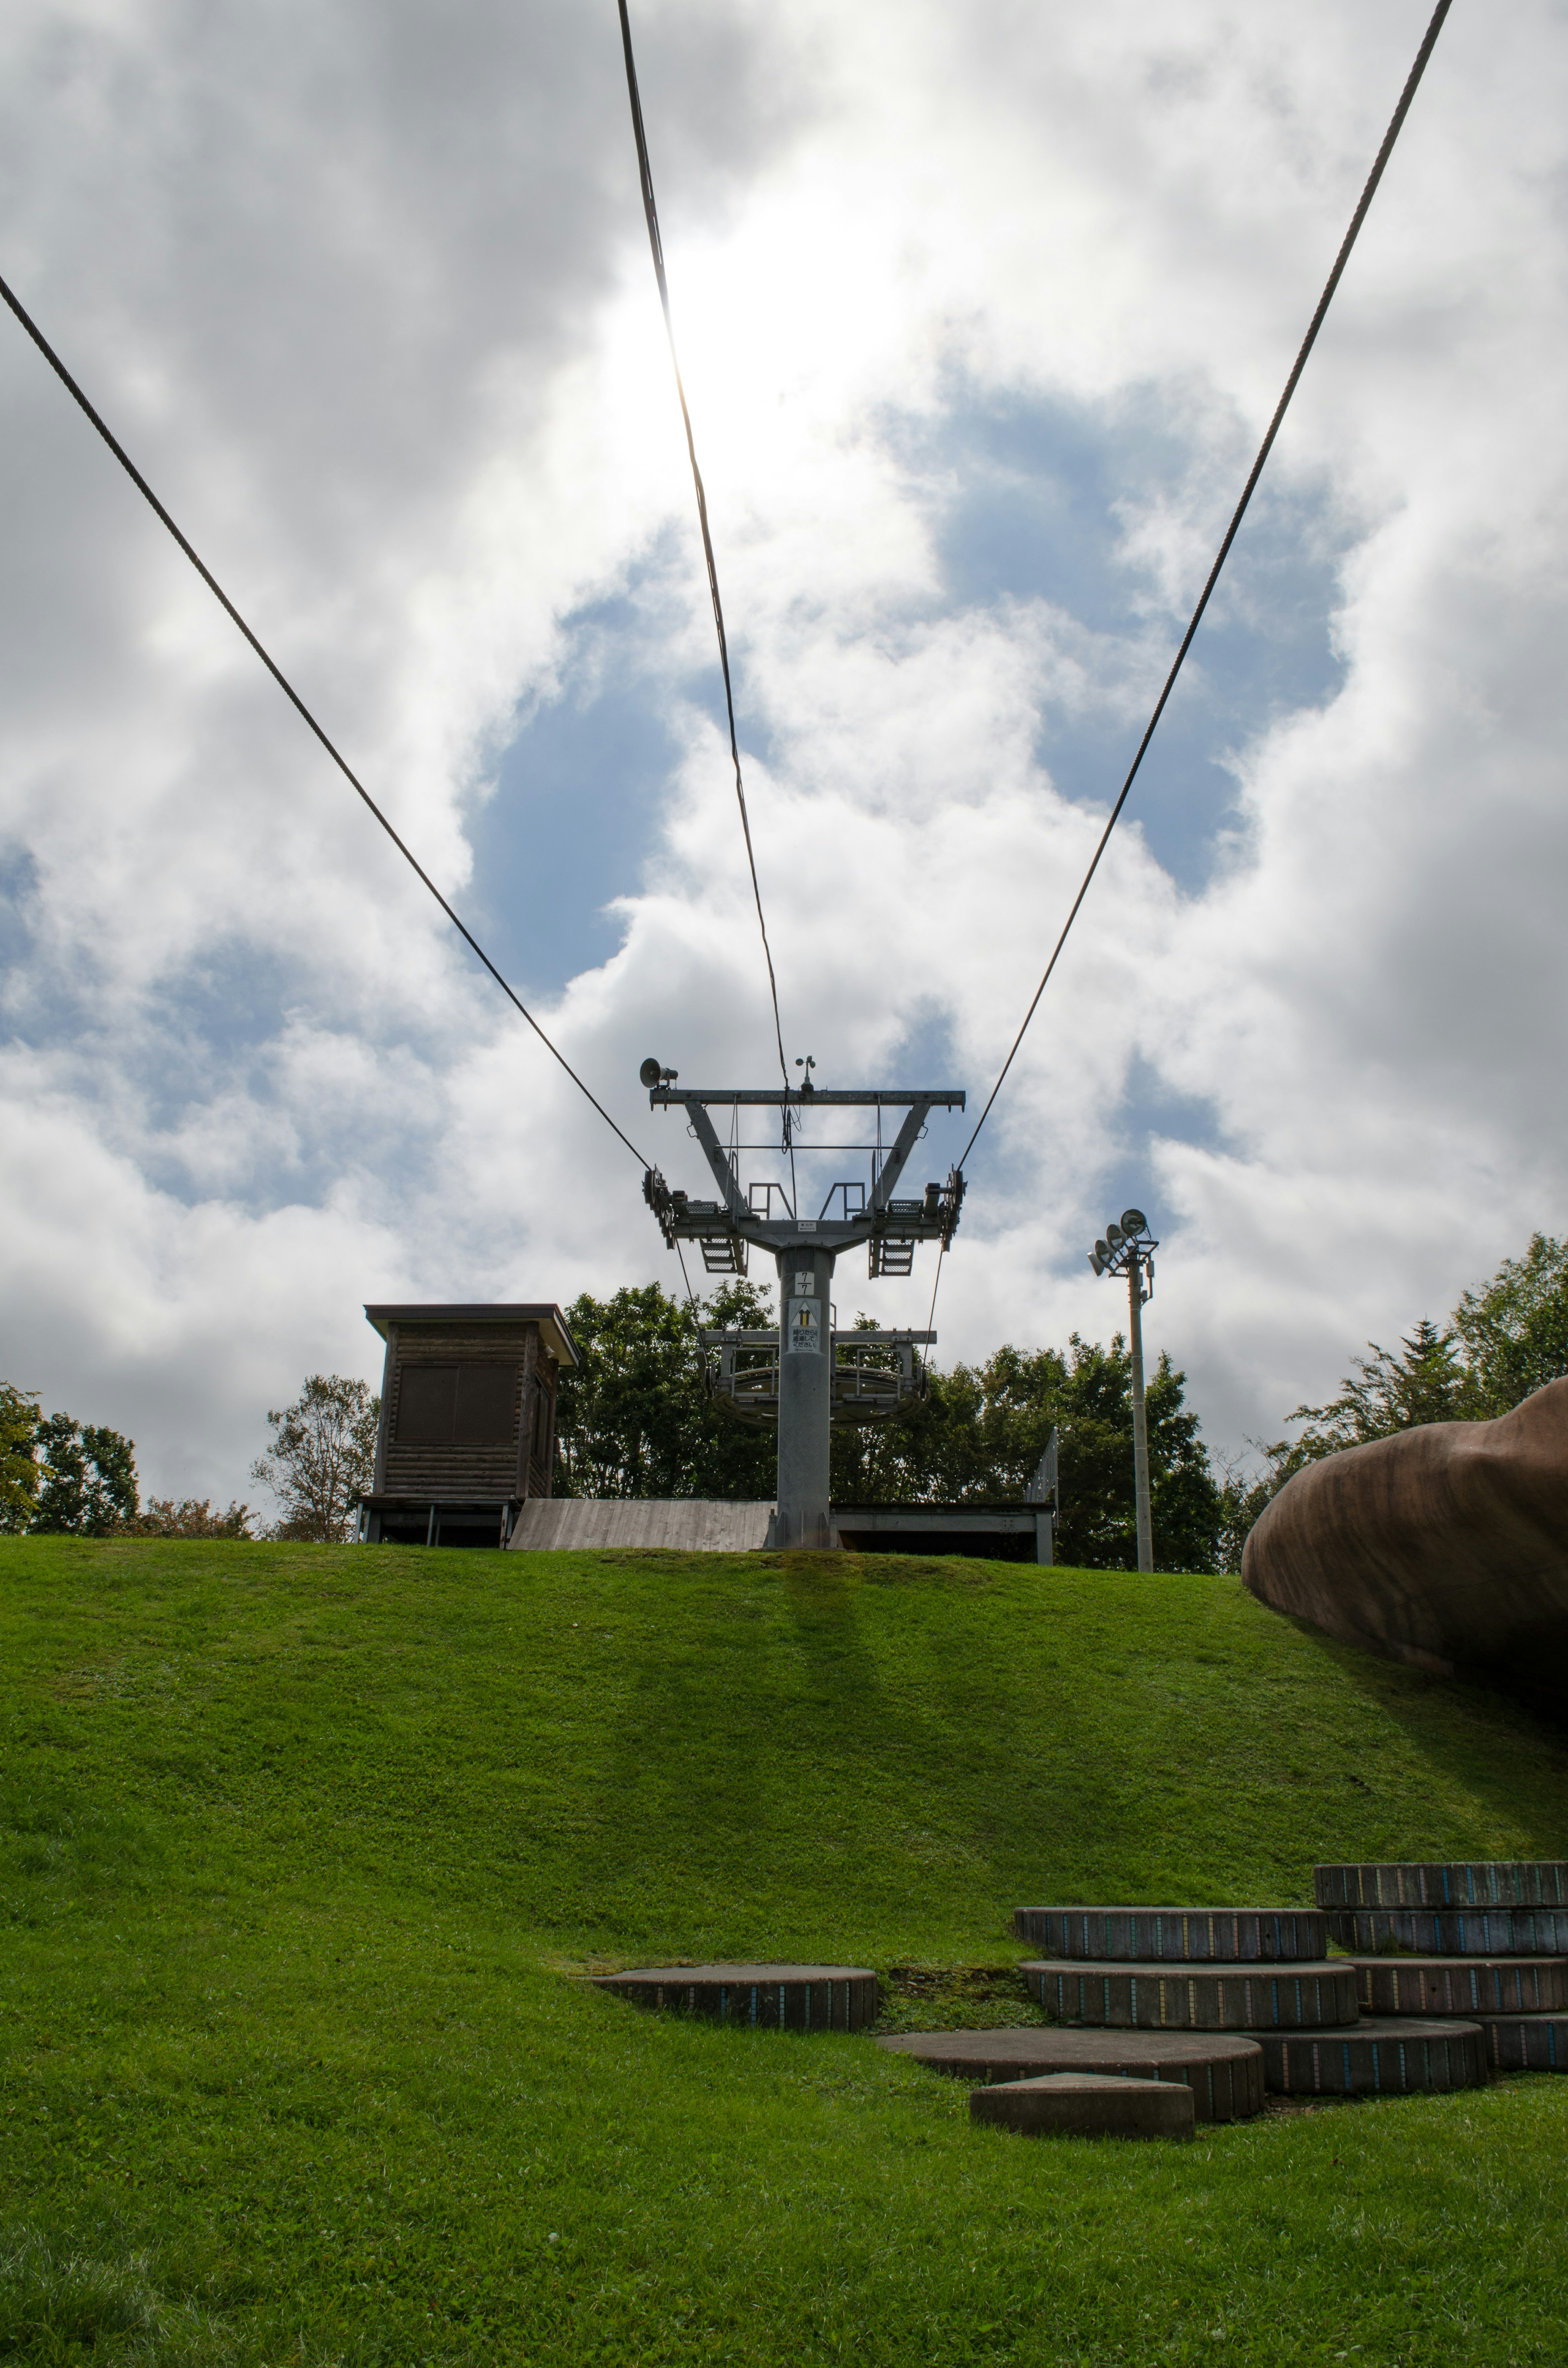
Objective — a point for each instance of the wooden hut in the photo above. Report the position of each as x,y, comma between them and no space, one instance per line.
468,1421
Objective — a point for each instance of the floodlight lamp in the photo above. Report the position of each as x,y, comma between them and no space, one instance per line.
1101,1256
650,1073
1113,1235
1133,1221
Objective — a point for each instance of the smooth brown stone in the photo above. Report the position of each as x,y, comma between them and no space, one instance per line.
774,1997
1224,2071
1445,1546
1195,1997
1086,2105
1392,2055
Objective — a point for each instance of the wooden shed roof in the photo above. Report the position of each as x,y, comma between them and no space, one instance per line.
548,1318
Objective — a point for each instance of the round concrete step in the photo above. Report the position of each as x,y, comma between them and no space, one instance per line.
1526,2043
1228,1997
1230,1936
1393,2056
1446,1882
1451,1931
774,1997
1223,2071
1467,1987
1086,2105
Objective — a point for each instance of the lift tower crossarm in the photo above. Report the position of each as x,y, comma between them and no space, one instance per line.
775,1234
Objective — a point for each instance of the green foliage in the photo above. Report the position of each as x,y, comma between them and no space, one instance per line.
303,1855
86,1478
19,1456
982,1430
321,1460
1385,1393
1515,1330
1502,1343
635,1420
192,1517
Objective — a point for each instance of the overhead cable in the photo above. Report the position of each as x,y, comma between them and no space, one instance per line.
284,685
652,211
1357,219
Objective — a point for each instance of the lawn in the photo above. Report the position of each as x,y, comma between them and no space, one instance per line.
304,1855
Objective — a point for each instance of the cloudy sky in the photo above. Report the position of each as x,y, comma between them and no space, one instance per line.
983,310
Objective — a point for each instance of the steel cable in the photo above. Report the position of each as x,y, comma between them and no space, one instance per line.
651,209
286,688
1358,218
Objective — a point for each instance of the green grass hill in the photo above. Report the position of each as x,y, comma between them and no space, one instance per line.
304,1853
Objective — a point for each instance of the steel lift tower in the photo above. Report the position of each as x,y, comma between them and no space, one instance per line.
806,1249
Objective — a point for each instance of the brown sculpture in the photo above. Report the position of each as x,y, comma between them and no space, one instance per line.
1445,1546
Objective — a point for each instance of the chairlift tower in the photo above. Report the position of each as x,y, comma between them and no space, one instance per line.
805,1248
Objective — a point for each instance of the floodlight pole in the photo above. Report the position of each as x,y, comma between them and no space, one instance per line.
806,1249
1128,1248
1139,1419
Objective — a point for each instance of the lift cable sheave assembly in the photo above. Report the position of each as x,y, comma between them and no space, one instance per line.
286,688
1396,125
651,210
815,1374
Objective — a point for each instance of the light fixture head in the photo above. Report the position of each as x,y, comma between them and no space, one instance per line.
1113,1235
1133,1221
1100,1257
651,1073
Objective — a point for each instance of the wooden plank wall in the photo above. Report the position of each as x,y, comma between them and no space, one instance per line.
520,1465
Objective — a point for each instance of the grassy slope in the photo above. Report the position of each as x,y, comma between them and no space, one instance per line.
298,1848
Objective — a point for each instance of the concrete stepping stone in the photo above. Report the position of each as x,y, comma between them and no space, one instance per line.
1204,1997
1451,1931
1180,1935
1467,1987
1086,2105
1526,2043
1446,1884
1223,2070
774,1997
1392,2055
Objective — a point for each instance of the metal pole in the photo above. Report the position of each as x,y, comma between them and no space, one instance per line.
1139,1423
805,1397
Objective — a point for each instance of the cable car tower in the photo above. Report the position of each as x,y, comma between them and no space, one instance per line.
806,1249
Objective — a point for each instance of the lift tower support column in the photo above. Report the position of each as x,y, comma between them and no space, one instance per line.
806,1251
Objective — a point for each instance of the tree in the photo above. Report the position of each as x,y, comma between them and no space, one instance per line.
19,1456
1385,1393
192,1518
635,1419
1502,1343
1515,1329
322,1458
87,1481
982,1429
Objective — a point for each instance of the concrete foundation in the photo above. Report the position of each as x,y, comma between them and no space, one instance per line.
1396,2056
1142,1935
1157,1998
1086,2105
1223,2072
1452,1932
1445,1884
1465,1986
767,1996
